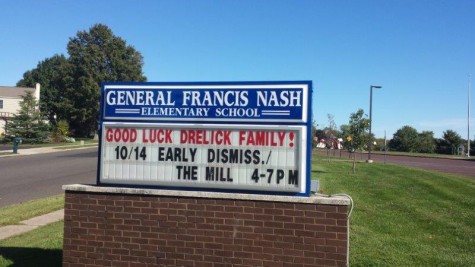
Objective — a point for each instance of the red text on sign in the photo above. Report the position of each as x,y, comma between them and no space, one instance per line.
159,136
200,137
261,138
121,135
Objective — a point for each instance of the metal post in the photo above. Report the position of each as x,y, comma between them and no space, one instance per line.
385,150
370,143
468,118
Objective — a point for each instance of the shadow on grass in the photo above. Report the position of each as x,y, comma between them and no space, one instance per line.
32,256
317,171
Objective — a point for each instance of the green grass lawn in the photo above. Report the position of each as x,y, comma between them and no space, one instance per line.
17,213
401,217
40,247
404,216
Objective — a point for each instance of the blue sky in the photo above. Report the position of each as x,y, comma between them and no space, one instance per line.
420,52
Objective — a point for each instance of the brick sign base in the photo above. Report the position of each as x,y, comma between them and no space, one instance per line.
106,226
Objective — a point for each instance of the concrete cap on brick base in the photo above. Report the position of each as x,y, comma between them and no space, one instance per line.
315,199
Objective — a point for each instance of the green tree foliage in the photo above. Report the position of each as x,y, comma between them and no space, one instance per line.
472,147
97,56
344,130
405,139
28,122
356,138
452,138
354,134
427,142
314,134
54,76
71,86
449,142
61,132
379,144
62,128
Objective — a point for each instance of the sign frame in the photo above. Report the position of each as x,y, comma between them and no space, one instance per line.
304,121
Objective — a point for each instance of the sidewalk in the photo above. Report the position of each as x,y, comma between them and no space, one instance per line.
31,224
42,150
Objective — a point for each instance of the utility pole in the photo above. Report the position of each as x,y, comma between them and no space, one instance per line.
385,149
468,118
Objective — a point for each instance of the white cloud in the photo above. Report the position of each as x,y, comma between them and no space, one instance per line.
456,124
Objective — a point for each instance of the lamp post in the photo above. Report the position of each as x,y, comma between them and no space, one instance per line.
468,117
370,143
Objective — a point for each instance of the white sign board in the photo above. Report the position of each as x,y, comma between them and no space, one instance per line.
212,156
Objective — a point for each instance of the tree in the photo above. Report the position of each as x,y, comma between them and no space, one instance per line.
472,147
356,136
71,86
405,139
314,134
379,144
320,134
426,142
331,131
449,143
53,74
28,122
97,56
344,130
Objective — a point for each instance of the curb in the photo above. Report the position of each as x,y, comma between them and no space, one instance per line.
42,150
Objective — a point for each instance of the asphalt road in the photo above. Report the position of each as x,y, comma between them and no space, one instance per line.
28,177
453,166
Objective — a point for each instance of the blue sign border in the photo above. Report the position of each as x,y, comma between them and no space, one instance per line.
205,102
305,119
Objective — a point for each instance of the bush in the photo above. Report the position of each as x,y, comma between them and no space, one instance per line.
61,133
62,128
69,140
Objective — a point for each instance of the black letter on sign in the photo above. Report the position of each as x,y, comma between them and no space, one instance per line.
280,175
293,177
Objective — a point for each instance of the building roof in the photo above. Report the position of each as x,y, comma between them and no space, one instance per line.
10,91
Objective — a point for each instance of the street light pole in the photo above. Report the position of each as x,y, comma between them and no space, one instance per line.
370,143
468,117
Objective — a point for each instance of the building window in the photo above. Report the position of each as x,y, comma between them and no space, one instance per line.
1,103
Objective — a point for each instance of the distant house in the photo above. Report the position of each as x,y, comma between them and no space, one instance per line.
10,98
336,143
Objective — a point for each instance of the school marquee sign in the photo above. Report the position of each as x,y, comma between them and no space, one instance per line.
241,136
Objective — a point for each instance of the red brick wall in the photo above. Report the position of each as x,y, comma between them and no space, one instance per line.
131,230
